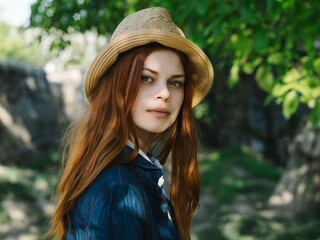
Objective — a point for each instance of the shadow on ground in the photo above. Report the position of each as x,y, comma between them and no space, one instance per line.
235,184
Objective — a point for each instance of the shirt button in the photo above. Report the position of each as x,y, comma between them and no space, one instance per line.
161,181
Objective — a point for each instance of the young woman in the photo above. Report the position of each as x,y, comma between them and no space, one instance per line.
141,89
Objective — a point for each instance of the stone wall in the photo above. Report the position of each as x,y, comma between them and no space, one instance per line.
239,115
70,85
29,114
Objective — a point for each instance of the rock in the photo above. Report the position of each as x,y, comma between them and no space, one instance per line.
70,85
239,115
28,110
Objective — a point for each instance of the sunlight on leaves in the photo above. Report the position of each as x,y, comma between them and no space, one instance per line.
280,89
291,76
316,65
290,104
315,115
214,156
234,75
275,58
265,78
201,110
311,103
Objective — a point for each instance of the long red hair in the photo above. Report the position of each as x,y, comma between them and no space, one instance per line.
100,135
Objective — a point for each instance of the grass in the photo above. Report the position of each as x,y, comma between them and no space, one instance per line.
280,228
236,170
239,182
26,189
236,184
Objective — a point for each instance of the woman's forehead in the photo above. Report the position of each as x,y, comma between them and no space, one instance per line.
164,60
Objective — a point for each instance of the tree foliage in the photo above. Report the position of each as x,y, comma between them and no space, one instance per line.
276,42
18,45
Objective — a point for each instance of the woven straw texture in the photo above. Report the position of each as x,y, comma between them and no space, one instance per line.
143,27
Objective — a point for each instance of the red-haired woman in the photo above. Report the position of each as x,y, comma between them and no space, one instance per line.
141,88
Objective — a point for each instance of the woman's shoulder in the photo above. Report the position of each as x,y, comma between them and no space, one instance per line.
111,181
114,177
115,190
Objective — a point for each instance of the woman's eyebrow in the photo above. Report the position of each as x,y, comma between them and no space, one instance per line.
156,73
178,76
150,70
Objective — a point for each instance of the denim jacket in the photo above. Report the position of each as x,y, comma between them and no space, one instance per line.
124,202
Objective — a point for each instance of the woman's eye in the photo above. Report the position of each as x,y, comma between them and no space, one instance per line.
146,79
176,83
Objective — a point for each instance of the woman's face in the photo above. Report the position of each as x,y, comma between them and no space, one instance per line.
161,93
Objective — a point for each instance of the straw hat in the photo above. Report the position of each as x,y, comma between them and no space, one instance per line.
143,27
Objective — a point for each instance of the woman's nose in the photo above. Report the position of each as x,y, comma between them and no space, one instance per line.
162,92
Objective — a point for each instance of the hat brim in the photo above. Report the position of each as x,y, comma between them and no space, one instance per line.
202,67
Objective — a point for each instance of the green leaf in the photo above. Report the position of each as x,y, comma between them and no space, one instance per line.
260,40
248,68
315,92
274,8
279,100
275,58
241,43
247,13
303,99
268,99
316,65
201,110
291,76
304,60
212,26
201,8
264,78
311,103
315,115
280,89
234,75
307,92
257,61
290,104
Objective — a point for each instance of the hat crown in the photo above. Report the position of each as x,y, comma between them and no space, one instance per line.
150,18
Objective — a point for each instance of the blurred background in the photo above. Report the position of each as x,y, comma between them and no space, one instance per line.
258,127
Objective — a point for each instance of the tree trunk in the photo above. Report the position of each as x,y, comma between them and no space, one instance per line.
299,188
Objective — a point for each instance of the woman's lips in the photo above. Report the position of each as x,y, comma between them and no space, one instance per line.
162,113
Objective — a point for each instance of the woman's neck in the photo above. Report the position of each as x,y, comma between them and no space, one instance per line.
145,139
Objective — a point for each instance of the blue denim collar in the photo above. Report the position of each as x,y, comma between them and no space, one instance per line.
140,160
